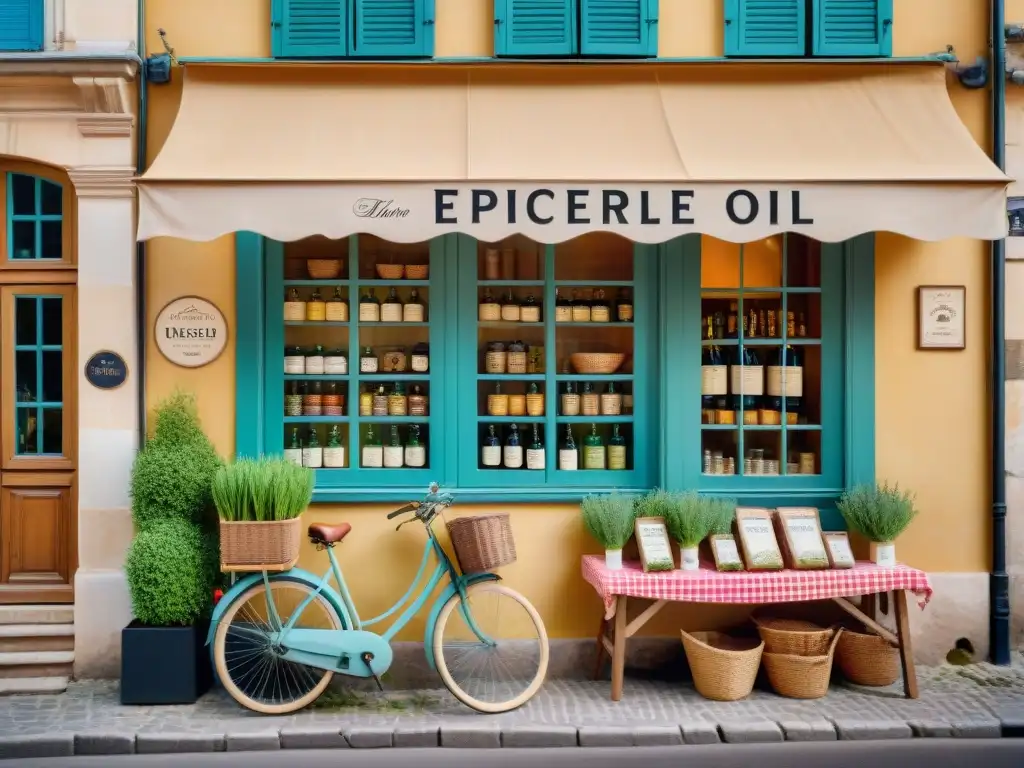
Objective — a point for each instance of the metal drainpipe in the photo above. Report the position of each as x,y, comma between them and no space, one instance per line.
999,581
140,247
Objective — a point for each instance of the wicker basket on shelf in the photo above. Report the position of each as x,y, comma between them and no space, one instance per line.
483,542
323,269
390,271
867,659
597,362
801,677
417,271
724,668
792,636
271,545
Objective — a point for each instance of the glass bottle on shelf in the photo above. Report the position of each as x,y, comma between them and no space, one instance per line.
785,377
394,453
419,360
563,308
373,450
366,403
568,456
313,400
510,312
294,306
529,312
334,451
624,306
316,308
380,402
369,308
714,377
391,309
368,362
611,401
294,360
535,451
594,456
312,453
731,330
616,449
415,453
750,330
512,456
398,404
293,400
534,400
590,402
413,311
801,329
335,362
570,400
580,308
314,363
293,452
489,310
333,402
417,401
747,384
337,307
490,448
600,312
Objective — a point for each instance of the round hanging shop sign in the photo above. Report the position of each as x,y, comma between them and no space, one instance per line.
191,332
106,370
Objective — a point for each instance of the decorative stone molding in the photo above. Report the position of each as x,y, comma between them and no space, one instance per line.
103,182
116,126
103,95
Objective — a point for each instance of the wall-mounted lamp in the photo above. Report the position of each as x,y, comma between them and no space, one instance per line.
158,66
1014,33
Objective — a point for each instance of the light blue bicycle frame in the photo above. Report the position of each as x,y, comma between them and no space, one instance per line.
342,603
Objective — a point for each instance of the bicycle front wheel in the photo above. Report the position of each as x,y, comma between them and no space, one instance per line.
251,667
491,649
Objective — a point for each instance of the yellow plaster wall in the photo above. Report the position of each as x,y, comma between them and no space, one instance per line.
931,423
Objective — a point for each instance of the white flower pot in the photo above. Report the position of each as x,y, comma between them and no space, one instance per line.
688,559
613,559
883,554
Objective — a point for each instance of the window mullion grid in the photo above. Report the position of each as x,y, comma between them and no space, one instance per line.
39,375
783,357
741,339
551,394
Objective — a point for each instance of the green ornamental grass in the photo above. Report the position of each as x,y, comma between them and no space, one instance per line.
262,490
689,517
609,519
723,515
880,513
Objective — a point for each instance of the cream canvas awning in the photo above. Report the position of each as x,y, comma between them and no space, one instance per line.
648,151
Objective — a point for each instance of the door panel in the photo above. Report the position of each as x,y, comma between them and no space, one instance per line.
36,531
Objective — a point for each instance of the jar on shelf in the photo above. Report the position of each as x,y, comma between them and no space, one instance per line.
496,359
489,309
366,403
534,400
497,403
516,405
611,401
369,308
808,464
516,357
316,307
294,360
373,449
293,452
312,400
380,402
563,308
414,311
600,312
398,404
570,400
334,451
417,401
624,306
415,451
337,307
312,453
535,359
529,312
391,308
368,362
315,360
293,400
510,308
294,307
333,401
394,453
590,402
420,358
335,362
492,264
580,308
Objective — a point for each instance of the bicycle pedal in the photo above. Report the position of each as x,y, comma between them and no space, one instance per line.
367,658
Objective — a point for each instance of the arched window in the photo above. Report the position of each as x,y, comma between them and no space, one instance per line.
35,218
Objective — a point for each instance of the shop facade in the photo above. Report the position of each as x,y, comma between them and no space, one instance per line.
767,337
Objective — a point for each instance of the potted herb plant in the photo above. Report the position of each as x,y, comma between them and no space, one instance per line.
171,565
689,518
609,519
879,513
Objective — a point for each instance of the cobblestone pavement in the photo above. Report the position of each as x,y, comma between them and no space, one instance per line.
973,701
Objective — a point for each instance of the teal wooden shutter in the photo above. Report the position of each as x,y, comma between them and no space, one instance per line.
852,27
765,28
309,29
619,27
392,28
534,27
21,25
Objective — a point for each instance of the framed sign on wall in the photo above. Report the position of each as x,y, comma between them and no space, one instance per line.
191,332
941,321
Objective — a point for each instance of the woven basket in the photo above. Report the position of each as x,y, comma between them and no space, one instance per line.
483,543
535,405
496,362
516,405
294,311
792,636
867,659
417,271
260,546
323,269
801,677
724,668
597,362
390,271
497,405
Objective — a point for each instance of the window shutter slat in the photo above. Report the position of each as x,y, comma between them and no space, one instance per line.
21,25
309,29
392,28
765,28
852,27
535,27
619,27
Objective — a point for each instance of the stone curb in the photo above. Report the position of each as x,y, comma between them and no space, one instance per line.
489,735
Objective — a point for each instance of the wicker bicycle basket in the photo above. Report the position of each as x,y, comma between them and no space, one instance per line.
801,677
792,636
724,668
867,659
483,543
271,545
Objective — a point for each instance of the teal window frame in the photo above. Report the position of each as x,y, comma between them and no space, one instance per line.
585,29
38,348
37,218
22,25
339,32
666,419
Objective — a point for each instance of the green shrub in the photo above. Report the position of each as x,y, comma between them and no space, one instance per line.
169,581
878,512
177,420
609,519
689,517
262,489
724,514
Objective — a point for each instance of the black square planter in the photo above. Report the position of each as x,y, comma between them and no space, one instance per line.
164,665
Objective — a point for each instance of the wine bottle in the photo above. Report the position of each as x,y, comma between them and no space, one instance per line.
294,450
413,311
594,456
334,451
393,453
490,449
530,311
714,376
415,453
373,451
369,308
731,329
312,453
747,376
616,449
391,309
600,312
512,456
568,456
535,453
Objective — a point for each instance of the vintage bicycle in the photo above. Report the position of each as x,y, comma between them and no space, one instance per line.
279,638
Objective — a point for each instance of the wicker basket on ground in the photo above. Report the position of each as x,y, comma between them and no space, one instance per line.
801,677
724,667
792,636
867,659
271,545
483,542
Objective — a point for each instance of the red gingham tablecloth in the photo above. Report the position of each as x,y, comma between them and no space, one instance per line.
755,587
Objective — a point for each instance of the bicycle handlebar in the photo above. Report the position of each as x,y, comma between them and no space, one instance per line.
401,511
425,508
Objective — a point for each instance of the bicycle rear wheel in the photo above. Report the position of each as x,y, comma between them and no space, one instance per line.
251,668
492,653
